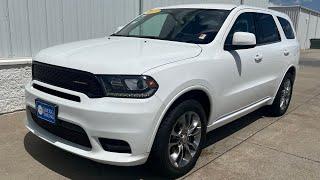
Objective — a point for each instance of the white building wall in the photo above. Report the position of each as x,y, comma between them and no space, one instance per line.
149,4
308,28
27,26
4,30
258,3
311,29
318,27
303,29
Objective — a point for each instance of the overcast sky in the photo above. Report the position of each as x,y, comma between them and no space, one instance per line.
312,4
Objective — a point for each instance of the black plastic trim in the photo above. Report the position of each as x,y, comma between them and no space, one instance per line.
67,78
57,93
113,145
65,130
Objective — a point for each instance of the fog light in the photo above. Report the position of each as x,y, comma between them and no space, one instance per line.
113,145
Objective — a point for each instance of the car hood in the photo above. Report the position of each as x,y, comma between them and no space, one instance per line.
117,55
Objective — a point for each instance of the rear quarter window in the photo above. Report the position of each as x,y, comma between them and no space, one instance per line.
287,28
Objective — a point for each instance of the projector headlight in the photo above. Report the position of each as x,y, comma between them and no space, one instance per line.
129,86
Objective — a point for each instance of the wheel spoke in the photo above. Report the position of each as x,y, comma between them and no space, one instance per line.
175,134
184,122
193,145
188,153
192,127
195,132
176,155
181,155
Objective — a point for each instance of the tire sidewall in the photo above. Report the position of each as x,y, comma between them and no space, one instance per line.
276,105
164,133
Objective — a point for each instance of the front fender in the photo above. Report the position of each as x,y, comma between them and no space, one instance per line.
178,92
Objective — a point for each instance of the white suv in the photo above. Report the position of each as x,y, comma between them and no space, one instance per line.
154,89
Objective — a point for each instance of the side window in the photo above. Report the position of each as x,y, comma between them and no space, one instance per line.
287,28
266,29
244,23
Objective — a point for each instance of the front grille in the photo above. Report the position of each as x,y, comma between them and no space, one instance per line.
57,93
75,80
63,129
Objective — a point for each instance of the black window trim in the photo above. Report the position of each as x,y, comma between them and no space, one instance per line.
292,28
225,48
274,42
257,45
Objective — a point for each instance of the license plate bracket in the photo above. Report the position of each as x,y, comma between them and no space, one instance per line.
46,111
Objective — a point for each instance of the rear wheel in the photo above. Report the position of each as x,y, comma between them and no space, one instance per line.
179,139
283,98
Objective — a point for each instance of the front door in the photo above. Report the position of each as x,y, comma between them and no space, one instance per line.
242,69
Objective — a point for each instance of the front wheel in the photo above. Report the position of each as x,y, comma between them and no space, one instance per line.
179,140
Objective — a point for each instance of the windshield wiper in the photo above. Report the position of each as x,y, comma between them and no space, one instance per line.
148,37
118,35
137,36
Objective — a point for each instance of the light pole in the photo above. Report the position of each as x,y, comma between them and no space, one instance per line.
242,2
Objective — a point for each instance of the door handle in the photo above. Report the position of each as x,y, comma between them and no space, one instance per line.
258,58
286,53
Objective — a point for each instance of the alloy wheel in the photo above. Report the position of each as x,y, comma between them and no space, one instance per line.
285,95
184,139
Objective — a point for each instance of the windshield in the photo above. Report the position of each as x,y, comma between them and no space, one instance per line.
198,26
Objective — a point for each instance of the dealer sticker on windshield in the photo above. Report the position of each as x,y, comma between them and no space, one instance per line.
202,36
153,11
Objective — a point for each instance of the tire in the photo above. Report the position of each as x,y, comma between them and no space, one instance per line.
283,98
171,131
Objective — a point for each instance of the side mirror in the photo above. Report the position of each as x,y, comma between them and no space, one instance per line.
243,40
119,29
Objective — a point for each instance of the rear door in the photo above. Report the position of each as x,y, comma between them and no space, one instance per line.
269,60
290,42
290,48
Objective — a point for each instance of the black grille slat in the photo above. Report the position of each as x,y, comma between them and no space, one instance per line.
63,129
57,93
71,79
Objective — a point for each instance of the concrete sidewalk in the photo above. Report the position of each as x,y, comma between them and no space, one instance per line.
253,147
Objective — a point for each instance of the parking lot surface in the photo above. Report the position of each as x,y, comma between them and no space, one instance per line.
253,147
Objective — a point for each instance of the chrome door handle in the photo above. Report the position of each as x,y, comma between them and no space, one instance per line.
258,58
286,53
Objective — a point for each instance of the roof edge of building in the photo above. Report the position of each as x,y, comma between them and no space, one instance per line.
297,6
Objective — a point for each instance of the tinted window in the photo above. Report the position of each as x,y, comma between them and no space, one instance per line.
151,27
244,23
287,28
199,26
266,29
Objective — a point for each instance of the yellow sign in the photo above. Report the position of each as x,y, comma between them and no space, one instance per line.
153,11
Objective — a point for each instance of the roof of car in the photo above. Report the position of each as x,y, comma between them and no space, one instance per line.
223,7
203,6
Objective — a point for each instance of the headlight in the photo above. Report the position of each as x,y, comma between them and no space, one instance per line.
129,86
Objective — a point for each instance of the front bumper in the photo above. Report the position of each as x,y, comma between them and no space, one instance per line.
131,120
